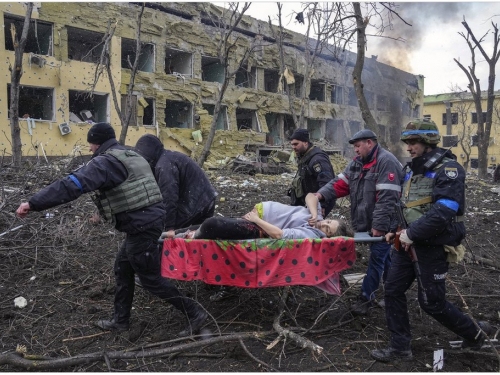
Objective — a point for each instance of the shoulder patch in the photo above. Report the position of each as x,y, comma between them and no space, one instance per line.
391,176
451,172
317,167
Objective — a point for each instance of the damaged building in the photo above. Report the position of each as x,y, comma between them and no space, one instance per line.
179,79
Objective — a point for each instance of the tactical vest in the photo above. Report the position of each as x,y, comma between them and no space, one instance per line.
302,170
139,190
417,193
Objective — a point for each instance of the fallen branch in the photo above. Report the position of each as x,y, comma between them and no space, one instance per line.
86,337
286,333
22,361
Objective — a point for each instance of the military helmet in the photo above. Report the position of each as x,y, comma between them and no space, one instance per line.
421,130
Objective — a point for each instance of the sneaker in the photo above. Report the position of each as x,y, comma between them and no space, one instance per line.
486,330
111,325
361,306
194,323
391,354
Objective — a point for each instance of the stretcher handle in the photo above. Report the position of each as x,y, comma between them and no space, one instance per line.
359,237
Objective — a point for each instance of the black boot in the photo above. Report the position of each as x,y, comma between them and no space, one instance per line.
486,329
391,354
111,325
361,306
195,322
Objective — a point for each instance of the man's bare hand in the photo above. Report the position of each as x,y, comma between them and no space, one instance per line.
389,237
23,210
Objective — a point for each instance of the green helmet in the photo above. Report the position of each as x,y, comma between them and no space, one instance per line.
421,130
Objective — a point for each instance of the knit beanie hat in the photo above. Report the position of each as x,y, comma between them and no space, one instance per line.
100,133
300,135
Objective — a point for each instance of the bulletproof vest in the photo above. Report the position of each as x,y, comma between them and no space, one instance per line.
303,171
417,193
139,190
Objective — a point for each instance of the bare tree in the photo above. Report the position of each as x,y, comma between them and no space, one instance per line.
226,52
483,124
463,108
104,64
16,72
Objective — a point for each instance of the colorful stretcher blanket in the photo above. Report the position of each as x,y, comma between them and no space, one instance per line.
260,263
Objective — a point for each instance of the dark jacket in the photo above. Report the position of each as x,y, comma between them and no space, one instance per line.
315,171
103,172
439,225
185,188
374,187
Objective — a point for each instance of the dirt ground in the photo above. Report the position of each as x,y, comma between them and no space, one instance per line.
63,266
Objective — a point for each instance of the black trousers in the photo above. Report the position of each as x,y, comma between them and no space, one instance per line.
226,228
401,276
139,255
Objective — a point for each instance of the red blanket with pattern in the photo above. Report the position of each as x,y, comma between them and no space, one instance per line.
260,262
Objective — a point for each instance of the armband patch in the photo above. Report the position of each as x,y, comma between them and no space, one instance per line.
451,172
317,167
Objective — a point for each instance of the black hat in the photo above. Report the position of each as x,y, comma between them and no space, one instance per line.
361,135
100,133
300,135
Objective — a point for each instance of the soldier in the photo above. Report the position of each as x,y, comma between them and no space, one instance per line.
373,182
434,195
129,197
313,172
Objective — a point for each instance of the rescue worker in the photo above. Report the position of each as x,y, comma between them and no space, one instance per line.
187,193
434,196
314,170
129,197
373,182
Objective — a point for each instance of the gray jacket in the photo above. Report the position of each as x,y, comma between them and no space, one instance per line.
374,187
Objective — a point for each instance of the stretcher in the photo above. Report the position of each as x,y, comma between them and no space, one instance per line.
260,263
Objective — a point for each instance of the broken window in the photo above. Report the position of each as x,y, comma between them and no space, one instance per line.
212,70
450,140
474,163
133,106
146,59
271,80
288,126
178,114
314,127
34,102
84,45
334,132
297,86
474,140
353,99
86,108
454,118
354,126
247,119
416,111
317,91
382,103
337,94
221,119
475,119
178,62
245,78
148,111
273,138
39,39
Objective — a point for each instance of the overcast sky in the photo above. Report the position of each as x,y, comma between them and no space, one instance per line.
432,42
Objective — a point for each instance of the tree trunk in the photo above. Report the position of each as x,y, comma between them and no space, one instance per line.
15,79
358,70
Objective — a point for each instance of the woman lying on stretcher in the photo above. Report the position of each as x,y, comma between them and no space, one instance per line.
268,220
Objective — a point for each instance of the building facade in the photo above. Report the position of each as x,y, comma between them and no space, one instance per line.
179,79
455,114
